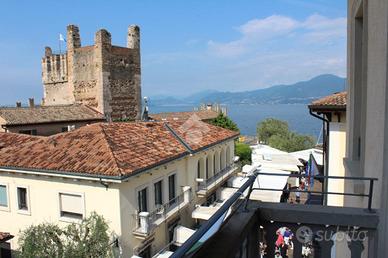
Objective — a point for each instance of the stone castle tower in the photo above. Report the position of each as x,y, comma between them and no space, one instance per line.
102,76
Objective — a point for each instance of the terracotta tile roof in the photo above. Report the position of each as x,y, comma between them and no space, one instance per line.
48,114
15,139
108,149
174,116
336,101
5,236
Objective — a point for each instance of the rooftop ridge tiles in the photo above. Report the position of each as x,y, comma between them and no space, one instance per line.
101,125
180,140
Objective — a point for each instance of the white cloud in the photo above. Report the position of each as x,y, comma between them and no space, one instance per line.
269,26
273,50
321,28
313,29
253,32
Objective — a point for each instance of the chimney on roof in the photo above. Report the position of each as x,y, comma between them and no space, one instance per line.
18,104
31,102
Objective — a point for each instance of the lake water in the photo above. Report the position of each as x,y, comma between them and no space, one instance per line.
247,116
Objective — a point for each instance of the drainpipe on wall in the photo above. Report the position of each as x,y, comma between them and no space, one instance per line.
325,150
4,128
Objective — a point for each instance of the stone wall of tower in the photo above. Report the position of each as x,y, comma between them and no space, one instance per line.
85,77
102,76
55,79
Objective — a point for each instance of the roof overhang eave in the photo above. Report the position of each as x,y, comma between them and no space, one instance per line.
327,108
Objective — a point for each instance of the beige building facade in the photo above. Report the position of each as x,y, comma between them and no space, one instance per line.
367,114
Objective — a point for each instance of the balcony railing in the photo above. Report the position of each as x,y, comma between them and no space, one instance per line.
205,185
255,228
369,196
146,222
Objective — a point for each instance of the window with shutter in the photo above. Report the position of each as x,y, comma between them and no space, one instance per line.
71,205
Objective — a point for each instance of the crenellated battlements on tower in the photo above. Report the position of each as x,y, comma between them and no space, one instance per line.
54,67
102,76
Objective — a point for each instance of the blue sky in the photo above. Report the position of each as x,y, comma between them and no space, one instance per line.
187,46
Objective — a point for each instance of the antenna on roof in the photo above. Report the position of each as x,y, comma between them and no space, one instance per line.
145,117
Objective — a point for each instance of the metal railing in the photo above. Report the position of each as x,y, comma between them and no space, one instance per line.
325,178
188,245
163,211
220,175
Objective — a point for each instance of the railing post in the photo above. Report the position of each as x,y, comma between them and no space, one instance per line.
370,196
144,222
186,194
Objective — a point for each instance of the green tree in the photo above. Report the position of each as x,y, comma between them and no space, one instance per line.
244,152
301,142
225,122
43,240
88,239
276,134
270,127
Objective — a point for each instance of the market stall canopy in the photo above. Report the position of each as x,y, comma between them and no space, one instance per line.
264,181
305,155
269,157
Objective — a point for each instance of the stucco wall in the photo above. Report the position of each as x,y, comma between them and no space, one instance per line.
186,171
370,163
337,148
118,203
373,158
44,201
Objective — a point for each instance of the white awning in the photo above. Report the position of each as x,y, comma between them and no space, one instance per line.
272,158
264,181
204,212
181,234
305,154
226,192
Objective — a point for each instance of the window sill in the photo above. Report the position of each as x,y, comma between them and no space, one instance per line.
5,208
24,212
70,220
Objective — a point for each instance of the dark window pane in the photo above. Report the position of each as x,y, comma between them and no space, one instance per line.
71,215
22,198
142,200
171,188
158,193
214,164
199,169
207,168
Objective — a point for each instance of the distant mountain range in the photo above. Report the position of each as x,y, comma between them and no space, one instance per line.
301,92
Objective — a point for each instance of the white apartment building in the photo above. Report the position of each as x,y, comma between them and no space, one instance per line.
145,178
